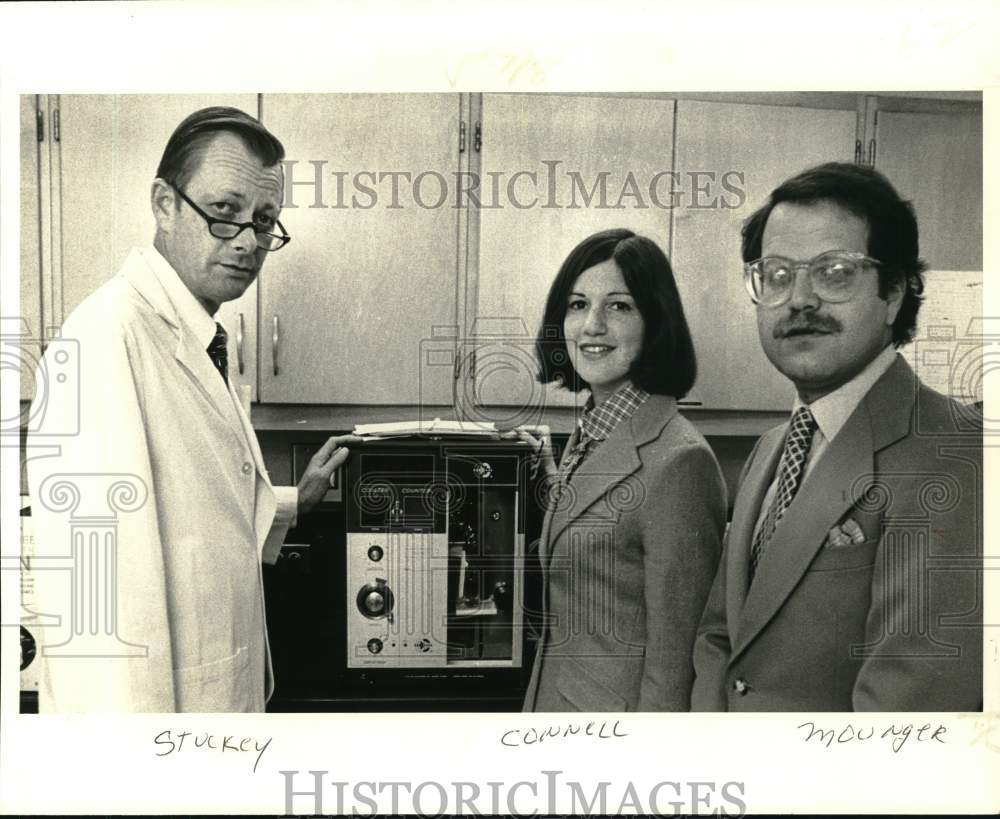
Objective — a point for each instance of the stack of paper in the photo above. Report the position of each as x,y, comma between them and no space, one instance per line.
398,429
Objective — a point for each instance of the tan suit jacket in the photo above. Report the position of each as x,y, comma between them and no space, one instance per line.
628,555
890,624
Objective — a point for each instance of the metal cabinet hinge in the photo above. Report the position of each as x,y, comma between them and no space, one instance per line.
55,124
461,137
478,138
40,125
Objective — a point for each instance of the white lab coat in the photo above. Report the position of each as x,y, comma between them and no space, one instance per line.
152,414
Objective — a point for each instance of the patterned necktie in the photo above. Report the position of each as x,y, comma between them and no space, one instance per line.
790,469
574,457
217,352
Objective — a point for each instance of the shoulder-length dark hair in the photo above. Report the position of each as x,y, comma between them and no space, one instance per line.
666,364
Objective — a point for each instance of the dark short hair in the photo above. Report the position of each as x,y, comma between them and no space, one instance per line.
188,141
666,364
893,238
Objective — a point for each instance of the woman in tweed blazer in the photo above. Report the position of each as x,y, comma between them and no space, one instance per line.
633,530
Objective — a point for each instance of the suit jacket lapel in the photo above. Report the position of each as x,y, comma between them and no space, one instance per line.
610,463
836,483
746,510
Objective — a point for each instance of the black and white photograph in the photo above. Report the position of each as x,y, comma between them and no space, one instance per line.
500,437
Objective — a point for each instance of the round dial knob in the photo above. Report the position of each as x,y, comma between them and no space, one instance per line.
375,552
374,645
375,599
374,602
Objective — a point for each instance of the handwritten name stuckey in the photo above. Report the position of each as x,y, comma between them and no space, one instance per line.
174,743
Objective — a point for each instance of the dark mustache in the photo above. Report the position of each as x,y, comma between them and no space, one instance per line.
819,324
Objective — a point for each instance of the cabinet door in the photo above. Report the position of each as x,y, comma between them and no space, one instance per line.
110,146
352,306
594,160
936,161
31,267
746,151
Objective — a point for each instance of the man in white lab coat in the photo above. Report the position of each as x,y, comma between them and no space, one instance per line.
152,518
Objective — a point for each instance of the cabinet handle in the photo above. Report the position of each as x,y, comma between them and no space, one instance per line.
274,345
239,344
857,151
871,153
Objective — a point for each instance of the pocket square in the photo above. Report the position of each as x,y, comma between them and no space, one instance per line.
848,533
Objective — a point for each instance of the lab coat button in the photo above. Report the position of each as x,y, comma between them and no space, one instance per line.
741,687
247,467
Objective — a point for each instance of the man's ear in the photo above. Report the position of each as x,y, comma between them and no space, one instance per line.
163,200
894,299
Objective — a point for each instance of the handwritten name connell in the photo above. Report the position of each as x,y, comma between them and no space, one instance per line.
895,735
530,736
169,743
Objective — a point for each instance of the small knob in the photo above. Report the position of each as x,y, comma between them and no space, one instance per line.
374,645
483,470
375,553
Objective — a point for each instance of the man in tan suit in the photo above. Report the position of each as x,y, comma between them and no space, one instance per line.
851,577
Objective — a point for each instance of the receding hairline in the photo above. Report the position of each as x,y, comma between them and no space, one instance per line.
202,143
829,202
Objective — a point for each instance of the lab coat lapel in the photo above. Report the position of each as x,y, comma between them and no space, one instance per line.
190,354
188,351
249,434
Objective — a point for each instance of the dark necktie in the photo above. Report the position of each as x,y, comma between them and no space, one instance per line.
217,352
790,469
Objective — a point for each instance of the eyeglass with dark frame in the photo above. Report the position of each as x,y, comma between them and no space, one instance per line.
833,276
225,229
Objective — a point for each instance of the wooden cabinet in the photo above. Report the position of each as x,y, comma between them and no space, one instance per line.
936,161
30,329
751,148
685,173
426,226
367,287
108,148
555,169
